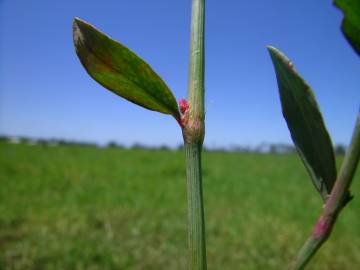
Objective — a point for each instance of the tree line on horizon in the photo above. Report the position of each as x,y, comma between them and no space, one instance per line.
264,147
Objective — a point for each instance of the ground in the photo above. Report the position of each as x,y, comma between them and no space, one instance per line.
77,207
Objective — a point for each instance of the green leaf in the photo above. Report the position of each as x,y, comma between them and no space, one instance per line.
121,71
351,22
305,123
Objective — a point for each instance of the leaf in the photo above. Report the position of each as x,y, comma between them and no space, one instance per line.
121,71
305,123
351,22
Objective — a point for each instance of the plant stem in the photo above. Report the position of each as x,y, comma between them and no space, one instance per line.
193,128
196,227
197,61
335,203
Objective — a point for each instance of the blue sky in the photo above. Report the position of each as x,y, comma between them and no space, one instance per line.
45,92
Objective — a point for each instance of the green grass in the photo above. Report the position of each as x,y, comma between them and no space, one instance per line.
88,208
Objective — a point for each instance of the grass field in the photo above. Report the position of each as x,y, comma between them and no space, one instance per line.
87,208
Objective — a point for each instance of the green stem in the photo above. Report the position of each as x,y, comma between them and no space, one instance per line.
193,132
197,60
196,226
335,203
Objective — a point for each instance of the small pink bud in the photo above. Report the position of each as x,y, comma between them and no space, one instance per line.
184,106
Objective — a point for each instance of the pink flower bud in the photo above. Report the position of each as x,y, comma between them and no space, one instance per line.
184,106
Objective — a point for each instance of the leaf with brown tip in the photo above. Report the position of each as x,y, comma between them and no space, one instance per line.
121,71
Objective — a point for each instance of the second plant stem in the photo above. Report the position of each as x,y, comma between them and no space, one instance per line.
334,204
193,133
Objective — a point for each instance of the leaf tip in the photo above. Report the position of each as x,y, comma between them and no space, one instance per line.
77,35
277,54
76,22
270,48
79,30
278,57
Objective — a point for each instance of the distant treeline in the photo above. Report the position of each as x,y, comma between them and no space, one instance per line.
273,148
